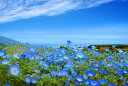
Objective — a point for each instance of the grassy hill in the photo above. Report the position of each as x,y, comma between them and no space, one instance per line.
5,40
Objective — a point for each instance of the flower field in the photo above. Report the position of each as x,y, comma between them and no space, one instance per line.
70,66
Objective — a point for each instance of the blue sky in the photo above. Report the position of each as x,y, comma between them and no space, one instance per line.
56,21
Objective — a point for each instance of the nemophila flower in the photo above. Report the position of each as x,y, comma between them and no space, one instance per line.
48,62
42,57
16,55
101,63
45,66
120,50
87,82
69,42
63,51
74,72
77,83
93,47
34,80
89,49
23,56
67,83
5,62
54,73
8,85
103,81
81,55
64,73
122,64
107,49
14,70
27,79
79,79
6,56
96,53
94,83
104,71
95,68
90,73
2,52
125,71
66,57
69,65
120,72
110,58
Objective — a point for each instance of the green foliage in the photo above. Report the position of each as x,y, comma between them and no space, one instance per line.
27,67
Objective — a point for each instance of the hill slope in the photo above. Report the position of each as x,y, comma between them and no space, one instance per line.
5,40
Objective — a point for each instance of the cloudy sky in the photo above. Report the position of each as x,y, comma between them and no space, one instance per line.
56,21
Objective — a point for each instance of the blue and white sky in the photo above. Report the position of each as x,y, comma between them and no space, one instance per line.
56,21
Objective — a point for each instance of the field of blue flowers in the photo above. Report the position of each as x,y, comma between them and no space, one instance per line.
71,66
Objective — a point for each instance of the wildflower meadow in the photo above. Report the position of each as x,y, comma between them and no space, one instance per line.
63,66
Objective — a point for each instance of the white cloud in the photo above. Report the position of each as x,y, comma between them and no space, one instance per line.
11,10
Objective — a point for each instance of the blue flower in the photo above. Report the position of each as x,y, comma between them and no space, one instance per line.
104,71
74,73
14,70
27,79
81,55
69,42
6,56
54,73
34,80
16,55
5,62
79,79
63,51
67,83
64,73
95,68
77,83
66,57
94,83
91,74
89,49
2,52
48,62
103,81
8,85
23,56
87,82
107,49
120,72
120,50
93,47
69,65
125,71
